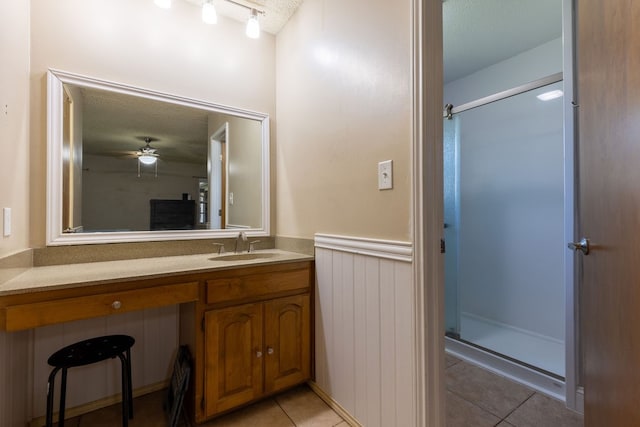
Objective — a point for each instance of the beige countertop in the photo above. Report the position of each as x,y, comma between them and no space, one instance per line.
55,277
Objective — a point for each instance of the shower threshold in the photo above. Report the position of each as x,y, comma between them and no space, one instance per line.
545,382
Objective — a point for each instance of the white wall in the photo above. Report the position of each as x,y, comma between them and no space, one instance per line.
14,122
511,197
525,67
344,104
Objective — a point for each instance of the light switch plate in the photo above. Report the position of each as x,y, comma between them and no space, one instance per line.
385,175
6,222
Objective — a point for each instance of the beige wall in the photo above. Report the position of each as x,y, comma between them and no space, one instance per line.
137,43
14,122
344,104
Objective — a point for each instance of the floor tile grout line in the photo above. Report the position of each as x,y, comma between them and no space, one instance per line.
519,406
476,405
285,411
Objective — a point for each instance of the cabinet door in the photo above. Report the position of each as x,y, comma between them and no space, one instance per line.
233,357
287,342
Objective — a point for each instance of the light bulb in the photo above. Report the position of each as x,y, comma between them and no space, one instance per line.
209,15
548,96
147,159
165,4
253,26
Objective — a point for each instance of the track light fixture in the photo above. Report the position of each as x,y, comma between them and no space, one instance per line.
210,16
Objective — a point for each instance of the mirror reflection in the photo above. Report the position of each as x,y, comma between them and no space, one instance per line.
155,163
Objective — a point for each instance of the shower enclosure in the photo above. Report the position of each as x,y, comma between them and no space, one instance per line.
504,226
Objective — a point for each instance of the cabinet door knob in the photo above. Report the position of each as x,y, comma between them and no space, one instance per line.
258,354
269,350
116,305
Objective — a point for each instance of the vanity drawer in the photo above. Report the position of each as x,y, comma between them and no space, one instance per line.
256,286
26,316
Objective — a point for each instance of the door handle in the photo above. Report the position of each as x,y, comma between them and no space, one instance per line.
582,245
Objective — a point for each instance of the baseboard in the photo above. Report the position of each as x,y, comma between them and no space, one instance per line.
99,404
334,405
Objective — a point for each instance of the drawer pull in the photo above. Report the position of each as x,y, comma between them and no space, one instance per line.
269,350
116,305
258,354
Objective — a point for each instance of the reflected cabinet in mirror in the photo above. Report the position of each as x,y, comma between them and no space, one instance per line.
129,164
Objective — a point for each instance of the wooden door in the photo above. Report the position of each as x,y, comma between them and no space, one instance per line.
608,96
287,342
233,357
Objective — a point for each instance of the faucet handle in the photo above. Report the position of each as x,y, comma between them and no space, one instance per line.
251,248
220,247
242,235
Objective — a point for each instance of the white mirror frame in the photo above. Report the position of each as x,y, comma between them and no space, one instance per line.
55,236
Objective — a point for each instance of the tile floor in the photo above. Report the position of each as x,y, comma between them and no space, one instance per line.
297,407
478,398
475,398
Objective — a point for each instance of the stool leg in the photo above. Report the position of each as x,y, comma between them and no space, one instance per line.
50,390
129,386
63,395
125,394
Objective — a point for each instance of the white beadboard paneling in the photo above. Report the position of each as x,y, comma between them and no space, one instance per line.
359,338
372,334
364,329
15,356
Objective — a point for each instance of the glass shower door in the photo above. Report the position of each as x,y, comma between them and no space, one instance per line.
504,211
451,220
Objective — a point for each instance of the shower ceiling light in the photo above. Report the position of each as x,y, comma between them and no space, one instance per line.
165,4
548,96
209,15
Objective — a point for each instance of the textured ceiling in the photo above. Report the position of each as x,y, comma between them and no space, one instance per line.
116,125
276,12
478,33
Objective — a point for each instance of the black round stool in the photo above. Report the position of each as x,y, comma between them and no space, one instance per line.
85,353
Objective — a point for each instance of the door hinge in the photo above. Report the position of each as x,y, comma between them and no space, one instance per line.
443,247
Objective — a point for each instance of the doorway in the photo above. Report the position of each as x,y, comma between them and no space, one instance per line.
508,211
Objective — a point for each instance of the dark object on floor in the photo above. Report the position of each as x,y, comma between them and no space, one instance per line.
85,353
178,387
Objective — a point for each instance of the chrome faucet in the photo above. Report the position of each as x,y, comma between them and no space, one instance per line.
252,245
241,237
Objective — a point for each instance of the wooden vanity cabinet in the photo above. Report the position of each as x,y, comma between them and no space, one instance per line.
255,335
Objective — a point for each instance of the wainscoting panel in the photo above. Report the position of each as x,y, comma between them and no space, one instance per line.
15,356
364,329
156,334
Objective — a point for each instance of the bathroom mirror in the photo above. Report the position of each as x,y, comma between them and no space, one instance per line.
128,164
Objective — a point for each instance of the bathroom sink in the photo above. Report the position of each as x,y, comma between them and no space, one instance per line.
244,257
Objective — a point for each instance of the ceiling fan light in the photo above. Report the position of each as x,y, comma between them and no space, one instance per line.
253,26
209,15
147,159
164,4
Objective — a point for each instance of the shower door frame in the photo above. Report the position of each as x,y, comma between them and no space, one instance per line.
570,390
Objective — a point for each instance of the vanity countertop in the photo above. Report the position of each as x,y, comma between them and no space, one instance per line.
37,279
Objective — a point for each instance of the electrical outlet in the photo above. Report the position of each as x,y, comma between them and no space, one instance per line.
385,175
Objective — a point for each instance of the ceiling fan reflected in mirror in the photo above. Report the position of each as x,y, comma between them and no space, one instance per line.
147,155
